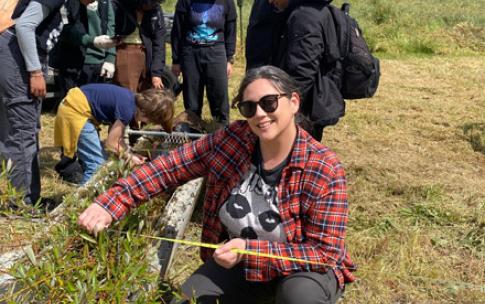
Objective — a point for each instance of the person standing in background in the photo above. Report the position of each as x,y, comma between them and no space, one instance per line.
89,61
23,54
203,46
140,55
299,37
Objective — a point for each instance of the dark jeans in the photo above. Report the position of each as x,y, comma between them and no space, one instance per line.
19,120
206,66
212,283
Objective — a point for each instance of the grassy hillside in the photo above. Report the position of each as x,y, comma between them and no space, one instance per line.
415,161
412,27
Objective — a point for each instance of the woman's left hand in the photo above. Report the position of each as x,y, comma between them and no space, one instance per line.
157,83
225,257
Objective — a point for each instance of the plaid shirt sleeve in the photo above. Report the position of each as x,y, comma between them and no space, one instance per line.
324,213
165,172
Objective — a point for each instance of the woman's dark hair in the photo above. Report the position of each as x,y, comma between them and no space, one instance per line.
278,78
157,105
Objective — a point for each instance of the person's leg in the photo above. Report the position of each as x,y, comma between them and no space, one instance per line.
21,120
90,73
90,151
215,68
212,283
193,89
308,287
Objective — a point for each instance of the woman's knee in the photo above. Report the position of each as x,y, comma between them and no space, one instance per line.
307,287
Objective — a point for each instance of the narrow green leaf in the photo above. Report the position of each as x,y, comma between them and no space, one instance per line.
88,238
30,254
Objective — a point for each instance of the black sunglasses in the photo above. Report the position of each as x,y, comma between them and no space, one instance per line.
269,104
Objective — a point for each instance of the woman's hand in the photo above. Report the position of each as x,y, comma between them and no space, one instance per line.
95,219
225,257
157,83
37,84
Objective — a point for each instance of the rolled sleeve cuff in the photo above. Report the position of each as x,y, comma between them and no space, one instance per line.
116,210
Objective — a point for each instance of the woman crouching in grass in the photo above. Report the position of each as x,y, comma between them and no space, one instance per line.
271,189
85,108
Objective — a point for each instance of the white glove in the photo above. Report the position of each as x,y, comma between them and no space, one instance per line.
104,42
93,6
107,70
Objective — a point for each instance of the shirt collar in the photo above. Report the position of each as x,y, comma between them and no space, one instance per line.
300,152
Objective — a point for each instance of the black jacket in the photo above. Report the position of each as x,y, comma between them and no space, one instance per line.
152,32
263,30
308,51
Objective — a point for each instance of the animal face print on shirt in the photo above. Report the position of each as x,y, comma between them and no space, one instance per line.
251,211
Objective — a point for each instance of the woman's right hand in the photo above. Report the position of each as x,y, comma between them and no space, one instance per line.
95,219
176,69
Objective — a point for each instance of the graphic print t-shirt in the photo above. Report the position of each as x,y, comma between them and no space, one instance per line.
251,211
206,20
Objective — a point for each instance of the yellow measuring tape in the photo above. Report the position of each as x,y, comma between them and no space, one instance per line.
235,250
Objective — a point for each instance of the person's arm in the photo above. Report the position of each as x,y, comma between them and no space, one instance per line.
178,33
165,172
324,225
111,52
114,142
25,27
305,48
158,43
230,30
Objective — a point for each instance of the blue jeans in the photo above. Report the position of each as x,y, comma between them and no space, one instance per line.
90,151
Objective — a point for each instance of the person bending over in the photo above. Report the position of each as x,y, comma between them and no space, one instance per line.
271,189
85,108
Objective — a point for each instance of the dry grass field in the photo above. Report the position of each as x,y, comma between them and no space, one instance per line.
416,182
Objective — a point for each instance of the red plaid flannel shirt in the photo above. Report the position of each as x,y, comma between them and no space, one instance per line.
312,195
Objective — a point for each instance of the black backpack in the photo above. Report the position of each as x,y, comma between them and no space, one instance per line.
361,70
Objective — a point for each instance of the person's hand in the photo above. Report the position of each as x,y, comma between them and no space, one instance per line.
37,84
104,42
107,70
227,258
229,69
157,83
95,219
135,159
176,69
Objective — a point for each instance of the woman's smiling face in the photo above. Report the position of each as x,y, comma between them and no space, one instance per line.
271,126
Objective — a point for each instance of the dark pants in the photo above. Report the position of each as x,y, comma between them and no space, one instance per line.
212,283
19,120
70,78
206,66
